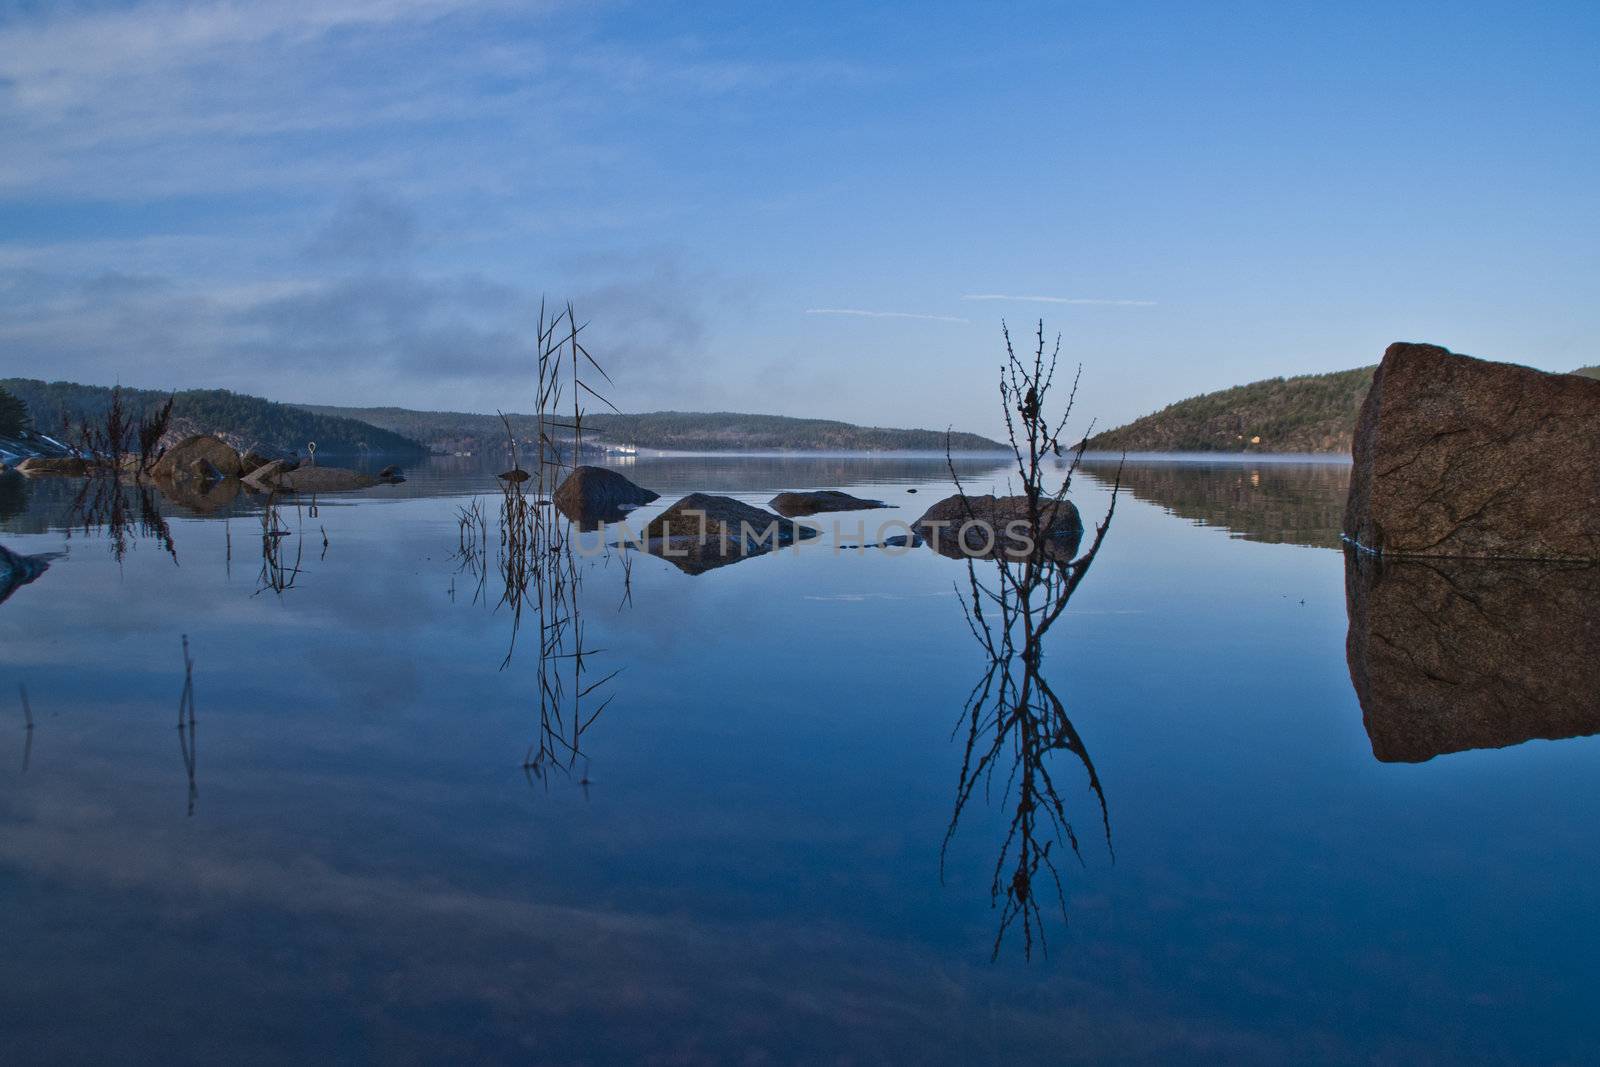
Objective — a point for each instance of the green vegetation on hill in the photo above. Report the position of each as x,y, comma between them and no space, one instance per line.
681,431
13,414
244,421
1308,413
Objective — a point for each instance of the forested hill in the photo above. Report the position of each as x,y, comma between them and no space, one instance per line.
243,421
678,431
1308,413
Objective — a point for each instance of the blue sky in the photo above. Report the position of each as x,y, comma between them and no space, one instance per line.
362,201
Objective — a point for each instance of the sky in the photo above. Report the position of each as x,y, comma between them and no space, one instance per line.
821,209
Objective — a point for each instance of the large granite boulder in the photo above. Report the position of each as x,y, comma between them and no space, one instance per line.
1460,457
702,532
815,502
598,494
198,453
979,527
1447,655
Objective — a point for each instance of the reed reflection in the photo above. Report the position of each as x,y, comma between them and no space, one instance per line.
1015,724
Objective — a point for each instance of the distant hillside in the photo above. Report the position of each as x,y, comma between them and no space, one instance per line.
1309,413
1588,372
679,431
244,421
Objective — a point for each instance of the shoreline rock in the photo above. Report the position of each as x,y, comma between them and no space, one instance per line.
197,457
1460,457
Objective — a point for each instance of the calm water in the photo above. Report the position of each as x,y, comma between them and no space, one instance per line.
744,864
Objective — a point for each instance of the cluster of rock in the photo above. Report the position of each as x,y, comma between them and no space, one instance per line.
703,531
203,469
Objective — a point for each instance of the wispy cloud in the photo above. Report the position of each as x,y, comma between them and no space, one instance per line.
861,313
1083,300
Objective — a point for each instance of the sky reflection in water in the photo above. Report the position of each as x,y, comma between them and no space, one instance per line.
750,867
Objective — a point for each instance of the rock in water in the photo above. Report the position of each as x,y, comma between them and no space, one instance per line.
322,480
701,532
70,466
598,491
820,500
990,538
17,570
1456,456
179,460
251,461
266,476
1448,655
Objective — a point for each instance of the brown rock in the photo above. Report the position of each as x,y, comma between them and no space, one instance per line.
251,461
266,476
179,460
322,480
1448,655
515,475
68,466
1457,456
702,532
591,494
1061,526
817,501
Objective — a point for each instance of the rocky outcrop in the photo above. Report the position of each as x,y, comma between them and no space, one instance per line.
198,456
815,502
66,466
1459,457
1448,655
598,494
702,532
980,527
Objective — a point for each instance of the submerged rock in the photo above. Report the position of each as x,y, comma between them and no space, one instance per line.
592,493
66,466
1456,456
820,500
391,474
321,480
702,532
988,531
18,570
1447,655
180,460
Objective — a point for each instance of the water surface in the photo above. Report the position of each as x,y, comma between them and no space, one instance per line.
345,858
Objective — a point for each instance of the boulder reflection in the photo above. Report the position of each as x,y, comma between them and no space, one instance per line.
1449,655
